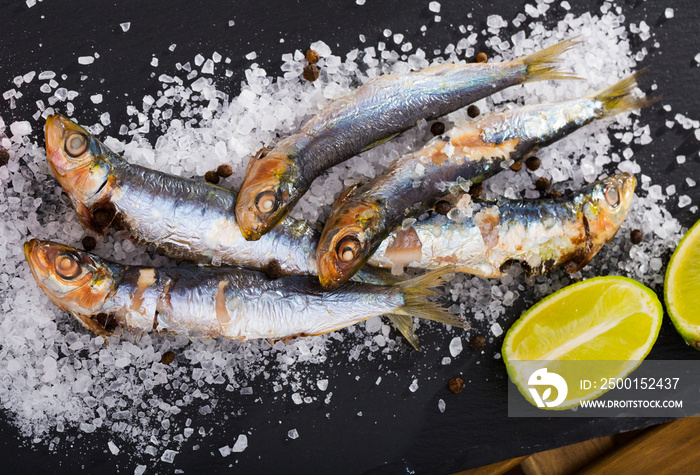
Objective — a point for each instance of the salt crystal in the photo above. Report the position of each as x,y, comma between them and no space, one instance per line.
20,128
252,55
434,7
125,26
495,21
531,10
691,183
379,380
241,443
208,67
496,329
199,60
225,451
168,456
441,405
154,62
122,362
87,427
296,397
231,23
30,3
140,470
321,48
668,13
293,434
414,386
86,59
360,2
398,38
455,346
96,99
113,448
373,324
322,384
683,201
680,159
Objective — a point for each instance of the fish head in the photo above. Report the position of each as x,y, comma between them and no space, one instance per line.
346,241
268,192
76,158
74,280
609,201
605,207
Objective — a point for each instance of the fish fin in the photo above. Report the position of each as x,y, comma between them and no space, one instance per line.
618,97
379,142
542,65
91,325
86,217
404,323
416,292
580,261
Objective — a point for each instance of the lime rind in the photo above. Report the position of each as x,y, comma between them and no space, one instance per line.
680,265
648,303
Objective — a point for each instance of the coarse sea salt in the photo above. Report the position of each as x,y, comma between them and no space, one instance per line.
127,376
455,346
241,444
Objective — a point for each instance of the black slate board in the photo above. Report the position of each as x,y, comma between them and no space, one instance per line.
399,431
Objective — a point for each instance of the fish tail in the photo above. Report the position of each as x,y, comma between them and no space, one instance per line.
416,304
542,65
619,97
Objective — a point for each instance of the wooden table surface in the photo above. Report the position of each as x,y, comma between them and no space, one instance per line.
671,447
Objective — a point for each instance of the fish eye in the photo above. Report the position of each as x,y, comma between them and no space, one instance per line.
612,195
67,266
267,202
76,144
348,249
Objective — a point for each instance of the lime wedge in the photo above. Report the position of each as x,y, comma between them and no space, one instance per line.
598,328
682,287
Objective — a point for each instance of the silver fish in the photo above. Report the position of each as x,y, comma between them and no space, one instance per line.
364,216
184,217
379,110
227,302
541,235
